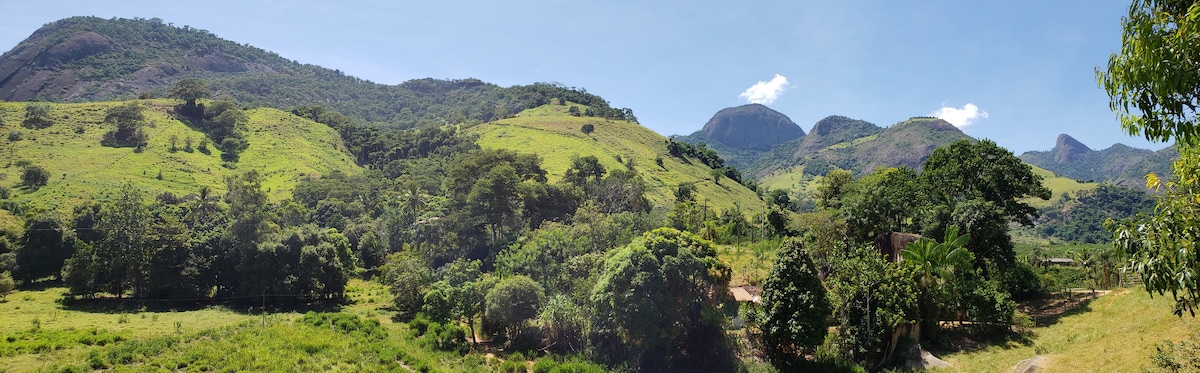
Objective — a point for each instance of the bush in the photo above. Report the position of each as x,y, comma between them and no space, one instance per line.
1177,357
35,176
511,366
37,115
16,135
545,365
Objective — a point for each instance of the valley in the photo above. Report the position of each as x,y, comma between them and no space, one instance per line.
172,200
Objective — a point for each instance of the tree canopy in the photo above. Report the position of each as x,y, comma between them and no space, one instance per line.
1152,82
1155,91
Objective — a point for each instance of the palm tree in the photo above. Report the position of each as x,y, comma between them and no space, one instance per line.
937,262
936,266
413,197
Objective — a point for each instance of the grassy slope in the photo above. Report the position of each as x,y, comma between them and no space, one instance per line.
1059,186
1116,334
282,147
556,137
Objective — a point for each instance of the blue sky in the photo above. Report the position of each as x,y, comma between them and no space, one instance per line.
1029,65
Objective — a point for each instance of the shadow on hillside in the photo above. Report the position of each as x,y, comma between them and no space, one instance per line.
40,285
1043,312
134,305
953,339
1048,311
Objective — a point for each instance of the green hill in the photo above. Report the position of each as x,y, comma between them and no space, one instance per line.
282,147
94,59
556,137
1059,187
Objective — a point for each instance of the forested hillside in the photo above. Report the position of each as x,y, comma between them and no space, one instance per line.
94,59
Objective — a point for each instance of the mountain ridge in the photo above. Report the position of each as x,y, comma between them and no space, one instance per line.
1118,164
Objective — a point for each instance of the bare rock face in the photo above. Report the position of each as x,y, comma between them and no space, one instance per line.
1068,149
78,46
751,127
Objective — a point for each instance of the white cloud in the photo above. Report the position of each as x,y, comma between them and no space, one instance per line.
960,117
765,92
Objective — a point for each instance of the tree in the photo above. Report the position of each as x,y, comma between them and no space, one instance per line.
512,302
587,128
584,170
128,118
886,200
871,298
1152,81
190,90
685,192
936,265
794,306
408,277
1153,88
37,115
494,197
980,187
47,243
832,187
35,176
657,303
6,285
123,254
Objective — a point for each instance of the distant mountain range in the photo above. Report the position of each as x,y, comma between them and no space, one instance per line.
763,142
741,135
84,59
1119,164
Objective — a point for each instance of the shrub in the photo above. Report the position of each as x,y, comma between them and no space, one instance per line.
35,176
16,135
545,365
511,366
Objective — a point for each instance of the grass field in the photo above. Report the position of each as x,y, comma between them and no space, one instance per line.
1114,333
39,333
557,138
283,148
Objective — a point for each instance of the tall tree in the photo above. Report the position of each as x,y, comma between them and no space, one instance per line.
128,118
832,187
936,265
189,90
886,200
657,301
985,183
584,170
512,302
123,255
45,247
794,306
